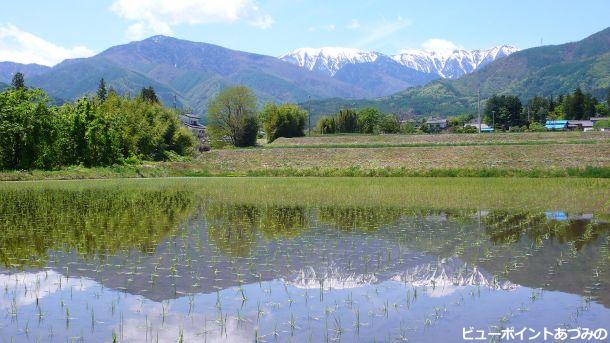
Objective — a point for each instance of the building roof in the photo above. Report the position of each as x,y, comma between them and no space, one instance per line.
436,121
556,124
583,123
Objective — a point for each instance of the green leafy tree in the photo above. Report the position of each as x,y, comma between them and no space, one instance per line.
18,81
286,120
389,123
608,98
102,93
326,125
368,120
505,111
232,117
346,121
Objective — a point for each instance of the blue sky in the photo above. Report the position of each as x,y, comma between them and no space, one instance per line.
49,31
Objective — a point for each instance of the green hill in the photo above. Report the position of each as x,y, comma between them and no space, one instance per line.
547,70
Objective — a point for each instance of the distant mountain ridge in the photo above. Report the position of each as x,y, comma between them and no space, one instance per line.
547,70
9,69
330,60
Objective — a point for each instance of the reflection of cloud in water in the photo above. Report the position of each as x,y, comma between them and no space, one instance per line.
193,328
23,288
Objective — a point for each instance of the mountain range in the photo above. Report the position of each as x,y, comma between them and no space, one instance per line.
546,70
191,73
451,65
384,75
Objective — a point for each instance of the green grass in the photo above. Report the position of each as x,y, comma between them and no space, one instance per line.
424,145
568,194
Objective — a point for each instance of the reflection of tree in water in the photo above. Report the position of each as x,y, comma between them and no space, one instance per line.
233,227
100,222
504,227
368,219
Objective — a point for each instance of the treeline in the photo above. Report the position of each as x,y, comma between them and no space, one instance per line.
367,120
506,111
94,131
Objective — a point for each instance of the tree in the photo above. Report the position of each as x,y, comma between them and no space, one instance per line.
389,124
368,120
505,111
102,94
326,125
346,121
286,120
18,81
608,98
232,117
149,95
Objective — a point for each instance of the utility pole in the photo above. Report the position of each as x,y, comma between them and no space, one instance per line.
309,115
175,105
479,107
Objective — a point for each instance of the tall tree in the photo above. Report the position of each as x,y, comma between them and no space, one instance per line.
608,98
149,94
232,117
18,81
102,93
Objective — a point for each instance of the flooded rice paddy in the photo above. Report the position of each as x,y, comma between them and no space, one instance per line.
168,264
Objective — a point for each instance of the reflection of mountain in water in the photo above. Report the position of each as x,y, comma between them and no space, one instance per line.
225,246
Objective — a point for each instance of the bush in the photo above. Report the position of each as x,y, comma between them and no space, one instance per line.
287,120
326,125
537,127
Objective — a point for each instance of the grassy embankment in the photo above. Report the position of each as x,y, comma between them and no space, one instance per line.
550,154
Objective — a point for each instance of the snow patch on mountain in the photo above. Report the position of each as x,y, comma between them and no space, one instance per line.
328,60
454,64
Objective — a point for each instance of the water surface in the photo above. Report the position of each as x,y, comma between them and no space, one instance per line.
164,264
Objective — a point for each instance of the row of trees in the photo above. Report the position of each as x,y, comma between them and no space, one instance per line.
506,111
93,131
367,120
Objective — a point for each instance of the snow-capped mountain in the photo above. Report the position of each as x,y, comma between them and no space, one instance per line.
328,60
453,65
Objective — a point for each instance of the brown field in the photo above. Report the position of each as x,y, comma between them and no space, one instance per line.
527,157
446,139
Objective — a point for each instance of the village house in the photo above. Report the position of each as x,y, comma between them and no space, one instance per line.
580,125
191,121
437,124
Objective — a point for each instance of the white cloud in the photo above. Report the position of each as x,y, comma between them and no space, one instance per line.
17,45
158,16
440,46
354,24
